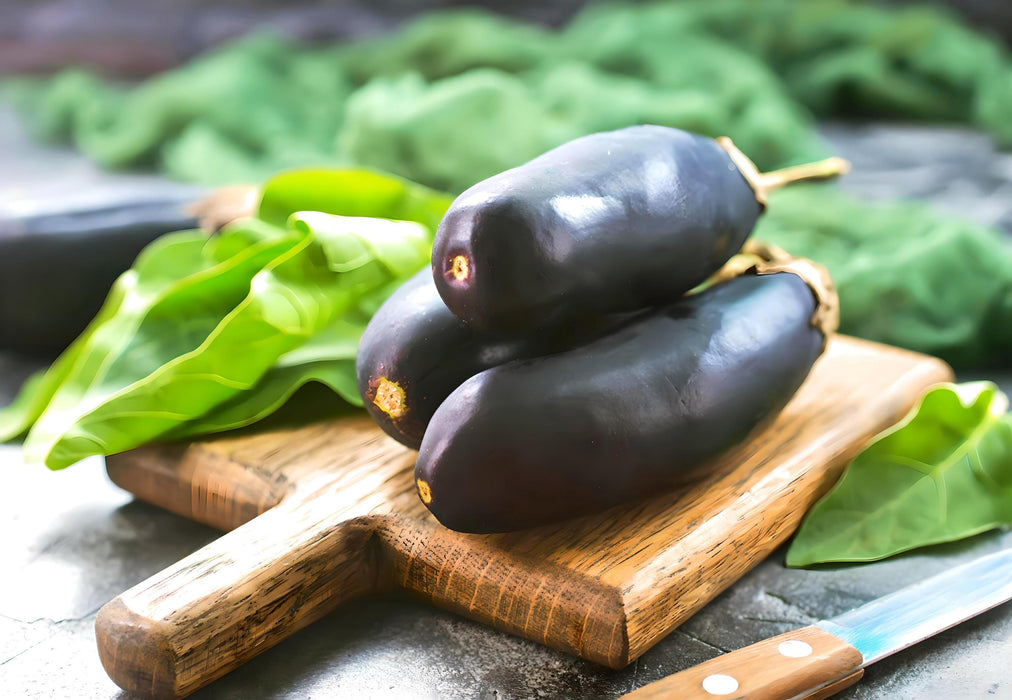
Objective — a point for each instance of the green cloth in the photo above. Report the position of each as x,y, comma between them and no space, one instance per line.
455,97
906,275
414,104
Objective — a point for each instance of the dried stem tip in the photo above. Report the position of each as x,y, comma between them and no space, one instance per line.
758,258
460,268
390,398
764,183
424,492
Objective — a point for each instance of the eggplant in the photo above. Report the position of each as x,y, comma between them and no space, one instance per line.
628,415
613,221
57,268
414,353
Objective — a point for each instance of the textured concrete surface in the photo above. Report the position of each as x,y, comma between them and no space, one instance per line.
72,540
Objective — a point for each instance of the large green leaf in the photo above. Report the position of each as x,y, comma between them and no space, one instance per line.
350,192
208,334
328,358
168,358
941,474
178,271
37,391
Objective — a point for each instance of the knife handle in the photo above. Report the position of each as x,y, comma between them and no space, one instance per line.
808,663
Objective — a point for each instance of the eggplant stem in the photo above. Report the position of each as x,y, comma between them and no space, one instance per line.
819,170
764,183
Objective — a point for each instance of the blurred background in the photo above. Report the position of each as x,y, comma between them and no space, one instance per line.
120,38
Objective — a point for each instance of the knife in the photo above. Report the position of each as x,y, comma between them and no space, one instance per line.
817,661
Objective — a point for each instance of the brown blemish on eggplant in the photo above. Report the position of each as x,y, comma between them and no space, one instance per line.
390,398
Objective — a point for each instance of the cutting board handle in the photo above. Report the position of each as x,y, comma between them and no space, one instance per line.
241,594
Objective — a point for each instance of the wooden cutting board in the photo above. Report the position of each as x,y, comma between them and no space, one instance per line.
328,512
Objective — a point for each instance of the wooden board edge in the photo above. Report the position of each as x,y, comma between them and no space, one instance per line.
203,486
503,592
928,372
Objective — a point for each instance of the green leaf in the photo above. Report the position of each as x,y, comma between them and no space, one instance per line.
943,473
176,351
350,193
208,334
329,359
37,391
17,417
176,271
176,294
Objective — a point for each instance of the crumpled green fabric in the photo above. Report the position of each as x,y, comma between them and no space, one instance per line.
750,70
236,115
906,274
837,57
457,96
458,130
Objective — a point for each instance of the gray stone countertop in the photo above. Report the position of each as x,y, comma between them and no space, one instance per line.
72,541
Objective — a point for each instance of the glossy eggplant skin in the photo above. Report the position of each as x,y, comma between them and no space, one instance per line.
56,268
414,353
613,221
626,416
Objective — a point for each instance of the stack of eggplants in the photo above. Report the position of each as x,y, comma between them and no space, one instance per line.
554,363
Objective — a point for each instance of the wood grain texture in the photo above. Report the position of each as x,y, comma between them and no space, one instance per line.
762,672
340,518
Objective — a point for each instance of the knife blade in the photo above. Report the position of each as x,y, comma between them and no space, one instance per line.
817,661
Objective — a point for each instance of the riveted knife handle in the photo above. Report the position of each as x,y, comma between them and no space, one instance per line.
808,663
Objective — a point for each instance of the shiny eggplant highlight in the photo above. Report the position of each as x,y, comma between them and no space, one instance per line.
614,221
414,353
632,413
